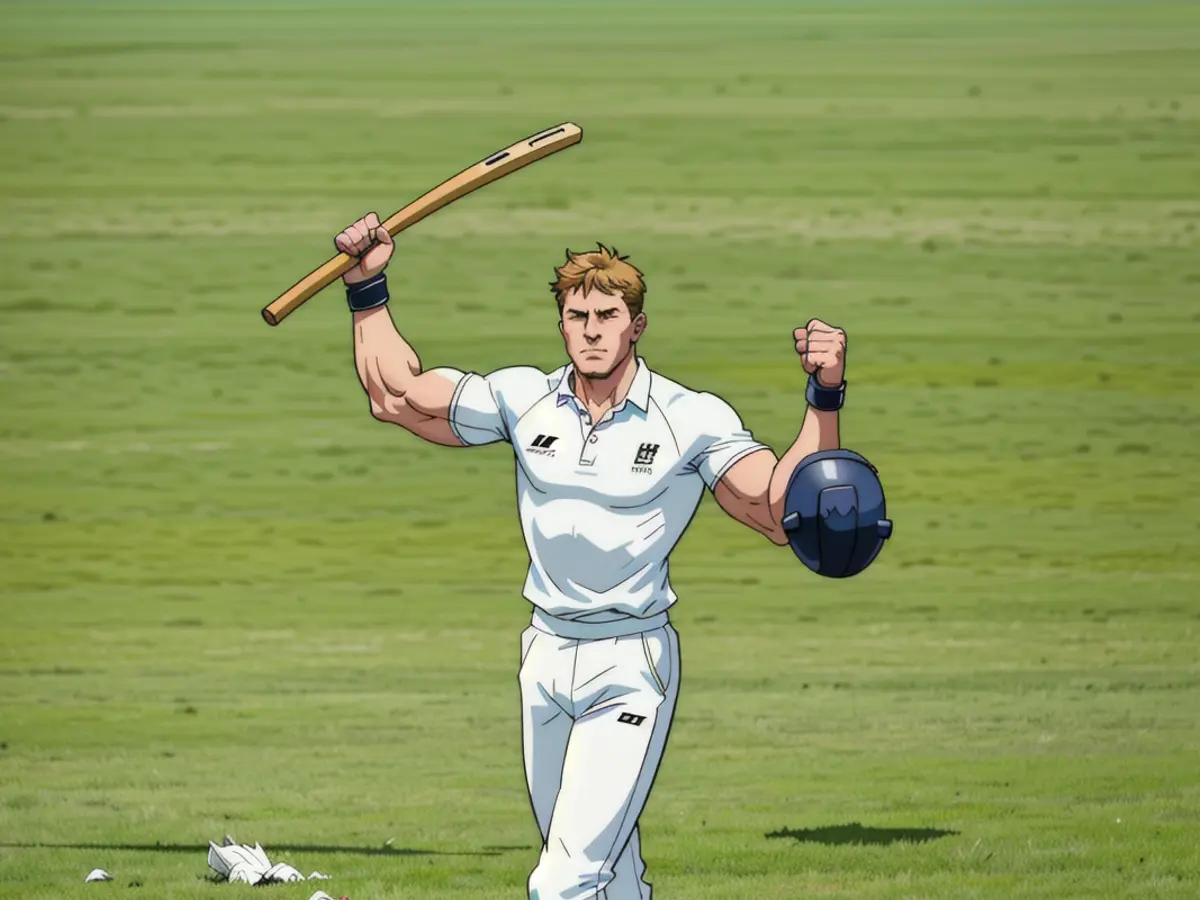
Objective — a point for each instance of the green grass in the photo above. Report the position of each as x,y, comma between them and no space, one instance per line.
233,602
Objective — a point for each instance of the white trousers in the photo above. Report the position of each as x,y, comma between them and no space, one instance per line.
595,719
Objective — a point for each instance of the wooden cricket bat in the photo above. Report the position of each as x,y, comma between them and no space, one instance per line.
499,164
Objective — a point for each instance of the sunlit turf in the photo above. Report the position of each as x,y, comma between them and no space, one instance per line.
234,603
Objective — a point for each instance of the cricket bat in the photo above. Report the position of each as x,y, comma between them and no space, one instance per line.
504,162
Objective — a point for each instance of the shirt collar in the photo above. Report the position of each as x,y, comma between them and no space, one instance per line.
639,391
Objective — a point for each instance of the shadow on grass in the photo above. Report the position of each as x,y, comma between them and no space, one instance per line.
274,848
856,833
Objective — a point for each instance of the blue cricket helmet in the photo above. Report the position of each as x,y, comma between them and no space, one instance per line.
834,513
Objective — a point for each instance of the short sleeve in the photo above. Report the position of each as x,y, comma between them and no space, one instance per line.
485,408
722,439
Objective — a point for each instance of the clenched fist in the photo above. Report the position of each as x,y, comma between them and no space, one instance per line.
370,243
822,349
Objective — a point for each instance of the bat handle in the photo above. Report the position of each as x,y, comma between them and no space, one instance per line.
307,287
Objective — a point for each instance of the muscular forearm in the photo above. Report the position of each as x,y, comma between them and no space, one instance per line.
385,361
818,432
388,368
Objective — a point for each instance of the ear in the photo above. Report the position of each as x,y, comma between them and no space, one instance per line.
639,325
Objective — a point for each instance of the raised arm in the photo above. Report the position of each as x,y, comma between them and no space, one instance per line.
400,392
754,488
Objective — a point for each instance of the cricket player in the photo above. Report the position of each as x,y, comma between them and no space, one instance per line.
612,460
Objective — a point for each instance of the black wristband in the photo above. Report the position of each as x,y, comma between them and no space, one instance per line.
367,294
826,399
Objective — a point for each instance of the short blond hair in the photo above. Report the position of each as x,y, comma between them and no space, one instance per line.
600,270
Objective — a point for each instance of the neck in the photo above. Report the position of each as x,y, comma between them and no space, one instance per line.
610,390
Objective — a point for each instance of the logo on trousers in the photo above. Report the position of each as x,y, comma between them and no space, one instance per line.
541,445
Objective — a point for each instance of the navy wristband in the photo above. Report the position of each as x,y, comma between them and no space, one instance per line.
367,294
826,399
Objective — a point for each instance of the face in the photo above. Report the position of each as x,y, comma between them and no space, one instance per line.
598,331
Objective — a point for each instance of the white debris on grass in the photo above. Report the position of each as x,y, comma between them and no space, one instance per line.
250,865
97,875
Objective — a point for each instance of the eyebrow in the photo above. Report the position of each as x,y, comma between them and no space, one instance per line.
600,312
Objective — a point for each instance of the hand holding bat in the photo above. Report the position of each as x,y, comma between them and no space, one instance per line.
367,242
822,350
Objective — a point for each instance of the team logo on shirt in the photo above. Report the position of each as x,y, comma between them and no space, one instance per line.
541,445
645,458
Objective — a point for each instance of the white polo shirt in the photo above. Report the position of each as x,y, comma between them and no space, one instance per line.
601,504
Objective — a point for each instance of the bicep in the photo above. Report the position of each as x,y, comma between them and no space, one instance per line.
457,409
434,430
743,492
424,407
431,393
469,409
735,466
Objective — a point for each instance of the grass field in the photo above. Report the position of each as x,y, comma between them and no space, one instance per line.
233,602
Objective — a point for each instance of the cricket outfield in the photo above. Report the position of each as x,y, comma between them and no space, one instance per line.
232,602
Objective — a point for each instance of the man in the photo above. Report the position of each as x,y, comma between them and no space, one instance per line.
611,462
